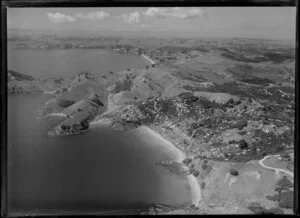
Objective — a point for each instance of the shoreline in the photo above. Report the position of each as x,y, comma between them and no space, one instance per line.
56,115
49,92
149,59
179,157
101,121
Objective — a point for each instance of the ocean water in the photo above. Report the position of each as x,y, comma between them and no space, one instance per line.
101,170
94,171
69,62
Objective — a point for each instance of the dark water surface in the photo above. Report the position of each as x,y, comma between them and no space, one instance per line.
95,171
92,172
68,62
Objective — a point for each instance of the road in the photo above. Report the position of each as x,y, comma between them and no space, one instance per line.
277,170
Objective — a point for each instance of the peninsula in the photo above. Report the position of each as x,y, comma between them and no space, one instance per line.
221,107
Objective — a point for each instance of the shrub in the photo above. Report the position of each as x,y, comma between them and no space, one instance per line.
195,173
64,103
202,185
285,155
187,161
124,85
204,166
277,57
284,181
256,80
234,172
243,144
84,123
269,197
206,104
275,211
243,133
286,199
240,124
283,184
190,99
258,209
97,101
208,169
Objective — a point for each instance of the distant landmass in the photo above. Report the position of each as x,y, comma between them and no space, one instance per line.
21,32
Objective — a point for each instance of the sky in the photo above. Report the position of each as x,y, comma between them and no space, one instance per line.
250,22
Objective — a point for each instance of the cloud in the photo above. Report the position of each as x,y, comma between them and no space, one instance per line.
63,18
133,17
94,15
60,18
179,13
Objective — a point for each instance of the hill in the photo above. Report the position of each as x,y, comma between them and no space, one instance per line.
228,103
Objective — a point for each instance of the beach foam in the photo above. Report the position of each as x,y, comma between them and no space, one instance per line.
100,122
149,59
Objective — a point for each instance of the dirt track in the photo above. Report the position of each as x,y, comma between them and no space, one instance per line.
277,170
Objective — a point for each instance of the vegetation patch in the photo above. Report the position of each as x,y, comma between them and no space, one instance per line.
258,209
284,199
123,85
64,103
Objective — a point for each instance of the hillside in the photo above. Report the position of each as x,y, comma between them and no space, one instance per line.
231,112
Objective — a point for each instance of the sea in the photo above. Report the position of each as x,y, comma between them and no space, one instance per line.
98,172
69,62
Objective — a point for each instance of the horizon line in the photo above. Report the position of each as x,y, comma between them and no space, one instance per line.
149,31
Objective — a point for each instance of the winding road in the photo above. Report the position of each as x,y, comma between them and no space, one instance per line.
277,170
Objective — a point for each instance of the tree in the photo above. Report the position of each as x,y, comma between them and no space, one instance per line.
64,103
196,173
284,184
202,185
286,199
240,124
234,172
187,161
243,144
285,155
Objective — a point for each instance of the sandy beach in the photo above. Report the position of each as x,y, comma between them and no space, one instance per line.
56,115
101,121
149,59
179,157
49,92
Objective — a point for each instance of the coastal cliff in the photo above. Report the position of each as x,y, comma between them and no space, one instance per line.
81,100
79,116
